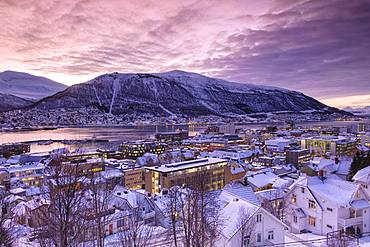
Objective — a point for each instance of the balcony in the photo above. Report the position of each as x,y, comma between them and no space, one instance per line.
350,221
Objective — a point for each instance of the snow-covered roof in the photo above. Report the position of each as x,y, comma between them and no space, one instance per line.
262,179
333,189
241,191
271,194
234,214
186,165
109,173
362,175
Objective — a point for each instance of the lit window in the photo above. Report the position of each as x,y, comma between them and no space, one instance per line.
311,221
294,198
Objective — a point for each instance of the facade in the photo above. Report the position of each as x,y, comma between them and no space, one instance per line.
363,138
85,166
30,174
335,145
245,222
297,157
134,150
184,173
234,172
322,205
134,178
8,150
172,136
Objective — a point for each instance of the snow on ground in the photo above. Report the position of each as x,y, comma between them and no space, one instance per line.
365,242
311,239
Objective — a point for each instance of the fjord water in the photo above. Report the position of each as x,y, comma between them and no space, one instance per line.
121,133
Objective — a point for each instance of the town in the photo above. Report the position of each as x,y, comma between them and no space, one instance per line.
224,186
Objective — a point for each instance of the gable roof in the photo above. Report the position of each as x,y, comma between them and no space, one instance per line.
362,175
334,189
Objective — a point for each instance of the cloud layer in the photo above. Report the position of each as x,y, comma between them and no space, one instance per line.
321,48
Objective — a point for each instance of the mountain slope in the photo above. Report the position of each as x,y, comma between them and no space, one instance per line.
179,93
11,102
28,86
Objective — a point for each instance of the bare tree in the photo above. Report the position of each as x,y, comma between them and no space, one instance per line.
99,207
246,224
6,236
62,223
195,220
275,202
340,239
135,232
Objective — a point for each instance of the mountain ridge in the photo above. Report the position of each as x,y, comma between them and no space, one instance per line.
27,86
177,93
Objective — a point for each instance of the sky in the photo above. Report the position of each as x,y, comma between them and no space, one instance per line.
318,47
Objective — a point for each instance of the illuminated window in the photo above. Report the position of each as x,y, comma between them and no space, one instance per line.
294,198
311,221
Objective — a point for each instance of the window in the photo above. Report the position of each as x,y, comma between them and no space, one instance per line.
329,226
121,223
311,221
295,219
259,238
259,217
302,190
246,240
311,204
270,235
294,198
329,209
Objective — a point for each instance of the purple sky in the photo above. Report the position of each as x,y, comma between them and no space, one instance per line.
321,47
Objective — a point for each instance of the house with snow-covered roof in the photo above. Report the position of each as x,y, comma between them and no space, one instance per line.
324,204
362,177
244,222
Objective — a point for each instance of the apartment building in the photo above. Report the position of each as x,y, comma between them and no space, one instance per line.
297,157
184,173
335,145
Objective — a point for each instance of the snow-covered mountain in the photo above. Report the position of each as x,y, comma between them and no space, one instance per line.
11,102
177,93
28,86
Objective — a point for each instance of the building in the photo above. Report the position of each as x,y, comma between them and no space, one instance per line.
297,156
326,204
235,154
263,180
30,174
362,177
8,150
234,171
335,145
172,136
134,177
363,127
162,177
363,138
245,222
85,166
133,150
